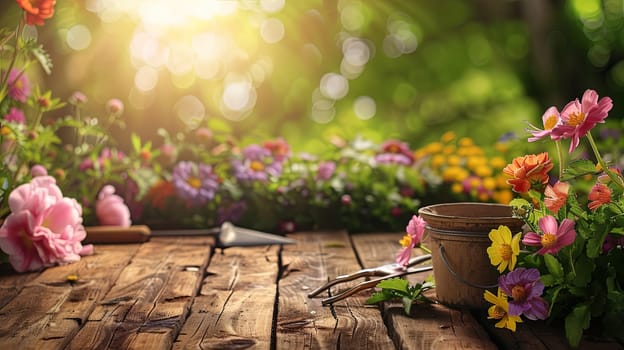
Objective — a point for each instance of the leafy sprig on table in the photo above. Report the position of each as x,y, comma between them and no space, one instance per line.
399,288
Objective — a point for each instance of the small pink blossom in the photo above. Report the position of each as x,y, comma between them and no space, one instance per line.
553,237
44,228
415,230
115,106
19,86
110,208
325,170
38,170
78,98
15,115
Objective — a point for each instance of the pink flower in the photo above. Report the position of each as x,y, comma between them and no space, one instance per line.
38,170
115,106
325,170
578,118
556,196
44,228
395,152
110,208
415,230
19,86
553,238
78,98
599,195
550,119
15,115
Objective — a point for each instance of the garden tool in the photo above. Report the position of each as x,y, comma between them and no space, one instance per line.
227,235
383,272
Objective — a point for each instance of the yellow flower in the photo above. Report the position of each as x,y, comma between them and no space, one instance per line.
448,137
500,310
504,249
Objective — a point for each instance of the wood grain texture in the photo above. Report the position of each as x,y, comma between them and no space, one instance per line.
150,300
235,306
429,326
302,322
49,309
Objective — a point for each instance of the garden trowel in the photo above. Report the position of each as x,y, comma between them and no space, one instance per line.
227,235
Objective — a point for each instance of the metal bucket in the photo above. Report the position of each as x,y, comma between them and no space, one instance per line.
458,236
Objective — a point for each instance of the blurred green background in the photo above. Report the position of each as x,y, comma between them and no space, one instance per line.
311,69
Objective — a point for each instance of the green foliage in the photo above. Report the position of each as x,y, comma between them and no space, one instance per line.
399,288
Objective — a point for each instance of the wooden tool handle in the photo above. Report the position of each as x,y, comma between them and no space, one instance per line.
117,234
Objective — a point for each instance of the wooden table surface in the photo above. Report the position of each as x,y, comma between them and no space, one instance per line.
180,293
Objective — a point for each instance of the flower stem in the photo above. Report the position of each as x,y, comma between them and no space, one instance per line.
616,179
561,157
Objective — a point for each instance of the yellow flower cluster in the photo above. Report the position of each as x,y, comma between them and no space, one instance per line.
466,169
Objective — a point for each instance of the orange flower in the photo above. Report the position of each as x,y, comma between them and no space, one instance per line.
528,171
37,10
599,195
556,196
160,194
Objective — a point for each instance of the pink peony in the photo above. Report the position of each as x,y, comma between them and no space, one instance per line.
110,209
44,228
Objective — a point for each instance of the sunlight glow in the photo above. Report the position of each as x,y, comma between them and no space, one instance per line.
78,37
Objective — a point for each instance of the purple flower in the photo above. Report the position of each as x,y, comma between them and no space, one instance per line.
15,115
395,152
115,106
325,170
195,182
19,86
257,164
525,289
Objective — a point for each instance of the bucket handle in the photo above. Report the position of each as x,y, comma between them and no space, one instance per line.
456,275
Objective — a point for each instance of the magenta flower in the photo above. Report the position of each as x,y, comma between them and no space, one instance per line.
110,209
578,118
15,115
195,182
550,119
44,228
525,289
19,86
395,152
325,170
553,237
257,164
415,230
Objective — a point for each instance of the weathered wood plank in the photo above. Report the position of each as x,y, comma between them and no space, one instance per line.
49,310
150,299
11,283
429,326
302,322
234,309
536,335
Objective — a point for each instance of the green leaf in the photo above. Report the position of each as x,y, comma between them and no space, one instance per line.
397,284
578,168
378,297
575,323
553,266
